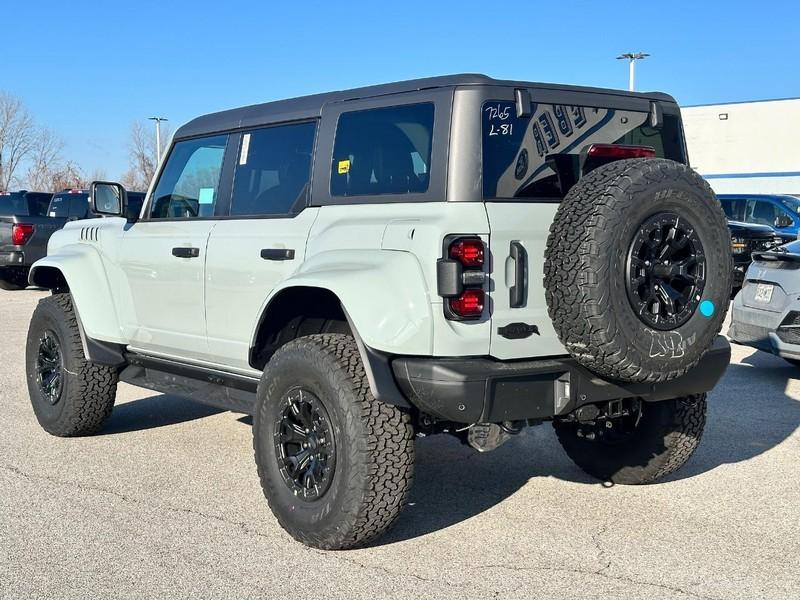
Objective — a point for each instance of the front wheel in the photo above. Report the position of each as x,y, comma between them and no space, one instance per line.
651,441
70,395
335,464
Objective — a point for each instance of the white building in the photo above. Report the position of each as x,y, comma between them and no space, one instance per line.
746,147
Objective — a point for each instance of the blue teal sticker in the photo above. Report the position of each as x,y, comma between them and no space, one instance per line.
707,308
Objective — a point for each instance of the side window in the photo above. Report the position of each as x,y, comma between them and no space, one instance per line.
763,213
41,203
189,181
79,207
734,209
383,151
273,170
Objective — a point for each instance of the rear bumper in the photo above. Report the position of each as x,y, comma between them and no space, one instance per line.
12,259
474,390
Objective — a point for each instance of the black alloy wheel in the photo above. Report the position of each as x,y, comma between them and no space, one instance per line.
305,444
49,367
666,271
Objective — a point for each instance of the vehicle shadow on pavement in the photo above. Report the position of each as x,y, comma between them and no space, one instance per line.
748,414
453,482
155,411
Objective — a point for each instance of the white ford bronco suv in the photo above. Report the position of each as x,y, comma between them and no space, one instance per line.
455,255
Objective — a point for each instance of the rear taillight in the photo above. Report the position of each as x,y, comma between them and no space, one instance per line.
461,277
620,151
469,252
469,305
21,233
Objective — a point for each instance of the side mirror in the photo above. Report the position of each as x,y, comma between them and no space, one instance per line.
782,221
108,198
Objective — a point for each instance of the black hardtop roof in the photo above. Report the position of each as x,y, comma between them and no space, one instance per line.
307,107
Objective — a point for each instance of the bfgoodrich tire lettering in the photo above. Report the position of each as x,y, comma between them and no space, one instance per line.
374,445
586,269
665,438
86,391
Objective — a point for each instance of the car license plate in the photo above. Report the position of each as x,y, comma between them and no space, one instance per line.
764,292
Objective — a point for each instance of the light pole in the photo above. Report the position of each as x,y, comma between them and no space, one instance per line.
158,136
632,58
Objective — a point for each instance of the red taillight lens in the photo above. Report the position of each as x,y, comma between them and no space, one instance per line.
468,252
621,151
469,303
21,233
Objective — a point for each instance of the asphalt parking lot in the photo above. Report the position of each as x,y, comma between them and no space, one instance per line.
166,501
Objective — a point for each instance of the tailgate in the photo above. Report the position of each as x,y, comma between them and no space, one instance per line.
5,232
521,327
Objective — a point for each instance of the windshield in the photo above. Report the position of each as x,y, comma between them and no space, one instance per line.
540,156
13,203
792,203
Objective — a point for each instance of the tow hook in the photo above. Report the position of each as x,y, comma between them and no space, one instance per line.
485,437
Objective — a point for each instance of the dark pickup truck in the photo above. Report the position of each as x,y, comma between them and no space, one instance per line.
28,219
24,231
747,238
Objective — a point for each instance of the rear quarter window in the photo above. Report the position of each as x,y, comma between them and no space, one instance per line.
383,151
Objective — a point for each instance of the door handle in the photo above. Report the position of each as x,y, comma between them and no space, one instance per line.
184,252
277,253
516,294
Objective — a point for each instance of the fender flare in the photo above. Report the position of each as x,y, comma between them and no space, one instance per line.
393,320
92,300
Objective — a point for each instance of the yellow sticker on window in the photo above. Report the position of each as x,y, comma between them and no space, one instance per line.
344,167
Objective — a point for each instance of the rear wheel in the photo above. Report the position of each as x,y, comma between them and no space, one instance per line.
335,464
652,440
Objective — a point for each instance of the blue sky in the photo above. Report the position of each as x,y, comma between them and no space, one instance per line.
89,69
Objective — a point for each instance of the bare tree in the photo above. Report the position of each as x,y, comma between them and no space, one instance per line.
142,156
68,175
45,160
17,137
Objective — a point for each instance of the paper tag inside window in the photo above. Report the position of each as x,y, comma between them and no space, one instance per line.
344,167
245,149
205,196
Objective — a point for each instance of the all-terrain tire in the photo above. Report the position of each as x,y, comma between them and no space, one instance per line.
587,266
13,278
86,391
374,445
666,437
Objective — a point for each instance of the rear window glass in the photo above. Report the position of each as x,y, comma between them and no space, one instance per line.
383,151
539,156
74,206
13,203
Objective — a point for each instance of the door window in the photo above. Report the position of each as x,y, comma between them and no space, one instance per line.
383,151
273,170
734,209
764,213
189,182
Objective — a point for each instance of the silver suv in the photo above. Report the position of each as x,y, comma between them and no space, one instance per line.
453,255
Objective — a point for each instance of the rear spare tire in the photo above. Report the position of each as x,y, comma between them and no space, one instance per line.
638,270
